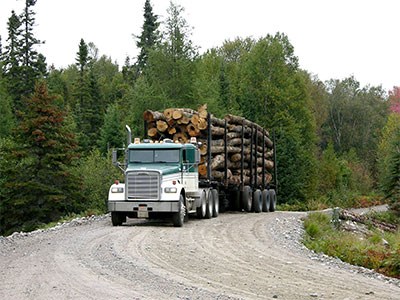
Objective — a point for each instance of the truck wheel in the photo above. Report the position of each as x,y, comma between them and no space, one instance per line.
210,205
179,217
215,212
257,201
265,199
201,210
117,218
247,198
272,199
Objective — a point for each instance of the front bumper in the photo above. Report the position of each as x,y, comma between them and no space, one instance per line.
136,206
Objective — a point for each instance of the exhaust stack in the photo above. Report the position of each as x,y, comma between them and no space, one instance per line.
129,132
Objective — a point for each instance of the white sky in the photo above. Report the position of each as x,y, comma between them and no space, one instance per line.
333,39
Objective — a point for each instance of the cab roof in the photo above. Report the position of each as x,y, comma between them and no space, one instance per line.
160,146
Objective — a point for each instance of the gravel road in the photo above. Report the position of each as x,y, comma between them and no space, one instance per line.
234,256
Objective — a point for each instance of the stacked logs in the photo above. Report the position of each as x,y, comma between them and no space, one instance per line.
246,158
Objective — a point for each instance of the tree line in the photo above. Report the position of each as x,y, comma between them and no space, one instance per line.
335,140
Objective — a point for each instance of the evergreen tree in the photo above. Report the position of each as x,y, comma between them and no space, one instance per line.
170,69
7,121
149,37
41,187
111,133
11,58
33,64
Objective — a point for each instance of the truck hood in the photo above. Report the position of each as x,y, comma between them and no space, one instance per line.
165,169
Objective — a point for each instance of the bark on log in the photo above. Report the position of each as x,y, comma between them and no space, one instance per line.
150,116
347,215
218,131
217,162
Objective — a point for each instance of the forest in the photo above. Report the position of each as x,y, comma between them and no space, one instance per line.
337,142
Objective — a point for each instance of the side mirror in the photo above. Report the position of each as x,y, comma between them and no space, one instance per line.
114,157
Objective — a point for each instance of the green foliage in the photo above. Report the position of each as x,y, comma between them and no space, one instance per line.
111,134
7,121
149,37
41,187
96,175
356,117
369,252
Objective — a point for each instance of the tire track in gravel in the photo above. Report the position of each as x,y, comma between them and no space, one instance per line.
234,256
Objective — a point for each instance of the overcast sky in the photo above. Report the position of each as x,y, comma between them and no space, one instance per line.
333,39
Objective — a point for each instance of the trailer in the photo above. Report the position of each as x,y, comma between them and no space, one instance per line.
191,163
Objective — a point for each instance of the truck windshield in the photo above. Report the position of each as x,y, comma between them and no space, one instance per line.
154,156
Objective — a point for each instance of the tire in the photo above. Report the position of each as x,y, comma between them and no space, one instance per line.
178,218
210,205
272,198
257,201
117,218
265,199
201,210
247,198
215,194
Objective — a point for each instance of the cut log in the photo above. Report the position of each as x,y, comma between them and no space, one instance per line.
203,170
184,120
347,215
180,137
192,130
150,116
171,130
217,162
221,149
203,149
217,130
236,157
202,125
195,119
162,125
152,132
203,111
177,114
220,175
168,113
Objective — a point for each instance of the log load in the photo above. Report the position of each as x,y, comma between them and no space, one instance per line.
247,154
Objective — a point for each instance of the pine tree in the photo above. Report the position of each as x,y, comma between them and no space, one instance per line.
41,187
149,37
111,133
33,64
11,67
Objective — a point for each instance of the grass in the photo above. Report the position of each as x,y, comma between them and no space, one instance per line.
377,250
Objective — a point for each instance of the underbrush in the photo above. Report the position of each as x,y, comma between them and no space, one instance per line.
375,249
344,200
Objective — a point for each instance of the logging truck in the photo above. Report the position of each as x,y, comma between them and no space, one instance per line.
191,163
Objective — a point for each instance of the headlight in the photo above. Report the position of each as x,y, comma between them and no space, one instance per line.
170,189
117,190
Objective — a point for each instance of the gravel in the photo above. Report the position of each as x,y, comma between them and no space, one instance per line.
234,256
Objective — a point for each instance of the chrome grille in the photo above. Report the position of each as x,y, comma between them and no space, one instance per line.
143,185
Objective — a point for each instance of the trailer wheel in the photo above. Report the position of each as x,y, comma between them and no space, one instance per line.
215,194
257,201
272,199
247,198
265,199
210,205
201,210
179,217
117,218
